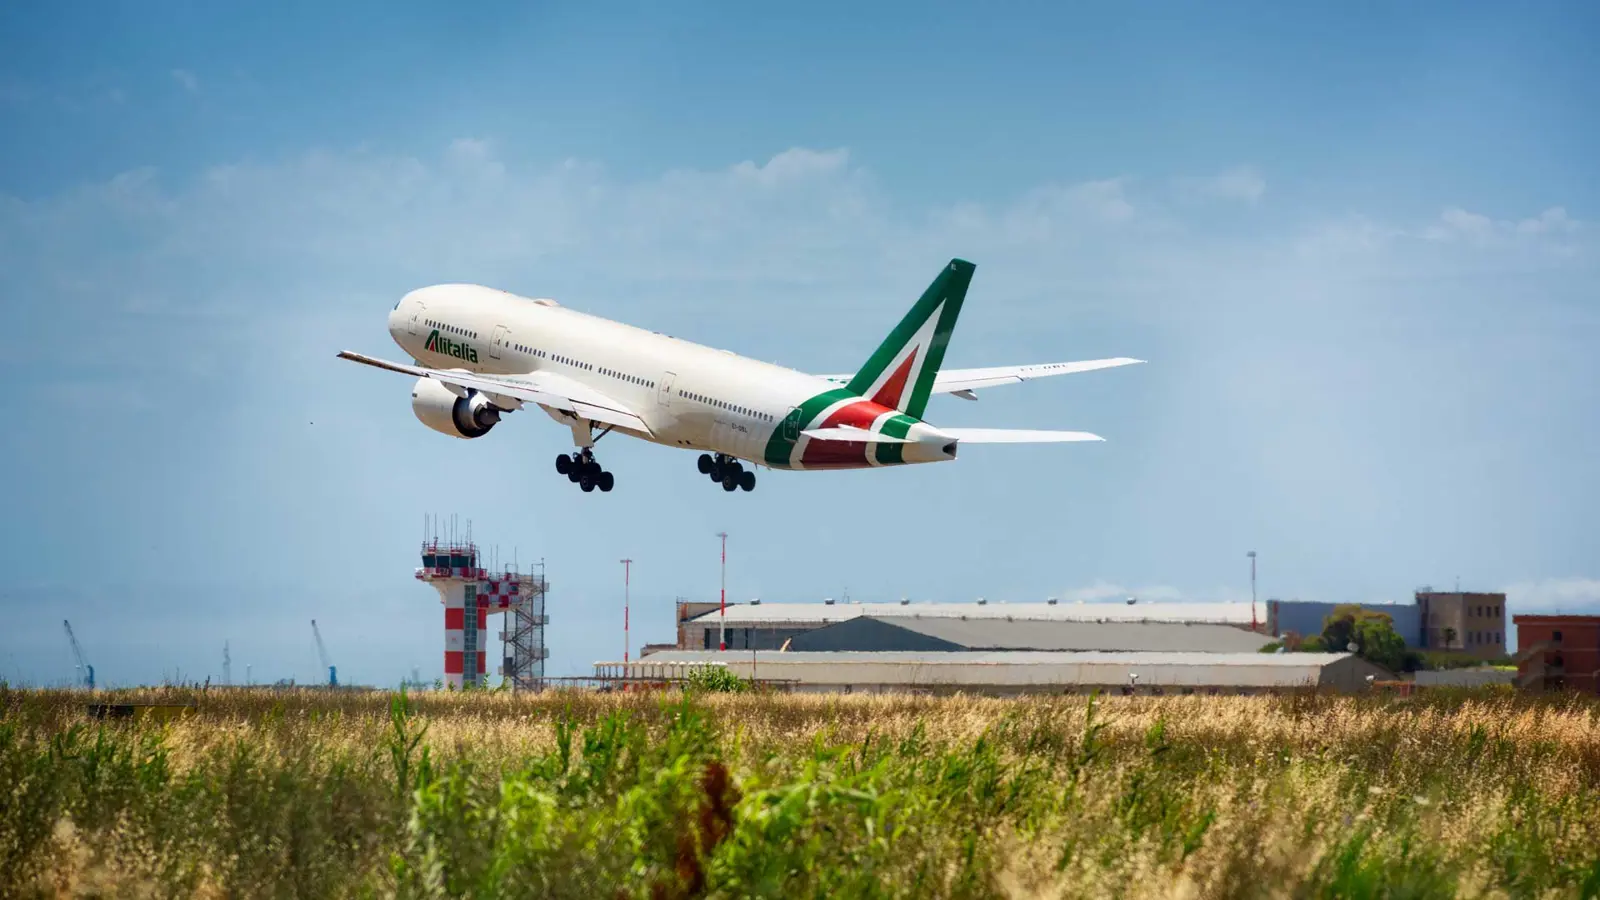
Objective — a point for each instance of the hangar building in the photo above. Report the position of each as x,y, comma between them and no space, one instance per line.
1017,672
980,625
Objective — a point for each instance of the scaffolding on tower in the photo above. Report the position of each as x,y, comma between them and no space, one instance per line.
470,593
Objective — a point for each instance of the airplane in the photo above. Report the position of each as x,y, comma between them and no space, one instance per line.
480,353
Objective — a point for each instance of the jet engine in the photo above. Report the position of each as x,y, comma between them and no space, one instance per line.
439,408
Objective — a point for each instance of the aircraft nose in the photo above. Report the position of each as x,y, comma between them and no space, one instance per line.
401,314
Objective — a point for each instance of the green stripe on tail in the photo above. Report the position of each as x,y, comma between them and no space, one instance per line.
901,371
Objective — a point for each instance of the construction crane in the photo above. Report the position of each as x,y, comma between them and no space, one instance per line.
77,654
322,652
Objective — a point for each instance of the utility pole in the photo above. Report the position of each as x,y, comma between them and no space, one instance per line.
1252,555
722,612
627,566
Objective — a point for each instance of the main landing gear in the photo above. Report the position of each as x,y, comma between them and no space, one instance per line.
727,471
581,469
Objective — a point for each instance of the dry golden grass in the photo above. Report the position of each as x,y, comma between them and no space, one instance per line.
311,793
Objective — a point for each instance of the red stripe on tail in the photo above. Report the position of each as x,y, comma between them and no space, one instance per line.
843,454
889,395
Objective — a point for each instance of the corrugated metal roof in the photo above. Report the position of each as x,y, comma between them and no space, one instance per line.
1007,657
747,614
1023,634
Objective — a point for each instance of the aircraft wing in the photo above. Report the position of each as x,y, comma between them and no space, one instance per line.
511,391
962,382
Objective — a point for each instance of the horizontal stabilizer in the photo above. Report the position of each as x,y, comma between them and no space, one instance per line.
1017,436
964,381
852,435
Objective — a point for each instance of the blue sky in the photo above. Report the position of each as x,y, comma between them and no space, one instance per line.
1357,246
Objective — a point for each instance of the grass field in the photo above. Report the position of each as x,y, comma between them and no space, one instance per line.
312,794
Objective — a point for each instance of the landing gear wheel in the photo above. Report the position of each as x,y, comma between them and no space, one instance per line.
605,481
706,464
574,474
730,482
587,483
563,464
747,480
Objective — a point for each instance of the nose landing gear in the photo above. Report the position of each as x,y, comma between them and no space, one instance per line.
727,471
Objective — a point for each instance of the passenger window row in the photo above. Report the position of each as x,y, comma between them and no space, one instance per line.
731,407
624,376
570,361
445,326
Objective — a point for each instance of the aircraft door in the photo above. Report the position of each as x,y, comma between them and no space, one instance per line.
791,424
497,341
416,317
664,390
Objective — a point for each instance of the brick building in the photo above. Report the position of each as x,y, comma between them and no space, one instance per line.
1558,653
1469,621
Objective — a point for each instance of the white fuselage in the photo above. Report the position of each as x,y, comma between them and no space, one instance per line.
690,395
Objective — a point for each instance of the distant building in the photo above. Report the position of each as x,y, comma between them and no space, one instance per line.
1474,623
767,626
1468,622
1558,653
1013,673
1306,618
946,633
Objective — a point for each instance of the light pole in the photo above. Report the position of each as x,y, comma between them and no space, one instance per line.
1252,555
722,611
627,567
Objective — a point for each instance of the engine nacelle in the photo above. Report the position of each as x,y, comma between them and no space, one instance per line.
437,407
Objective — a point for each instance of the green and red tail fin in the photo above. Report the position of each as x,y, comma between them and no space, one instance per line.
900,374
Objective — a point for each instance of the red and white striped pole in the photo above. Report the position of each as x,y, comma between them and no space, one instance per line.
627,566
722,610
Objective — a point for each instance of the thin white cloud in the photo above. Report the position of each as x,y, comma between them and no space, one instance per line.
1354,236
1457,224
1555,595
186,80
1242,185
1552,221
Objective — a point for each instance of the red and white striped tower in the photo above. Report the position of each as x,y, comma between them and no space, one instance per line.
452,568
470,593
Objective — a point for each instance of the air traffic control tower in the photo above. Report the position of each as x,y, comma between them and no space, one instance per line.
470,594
